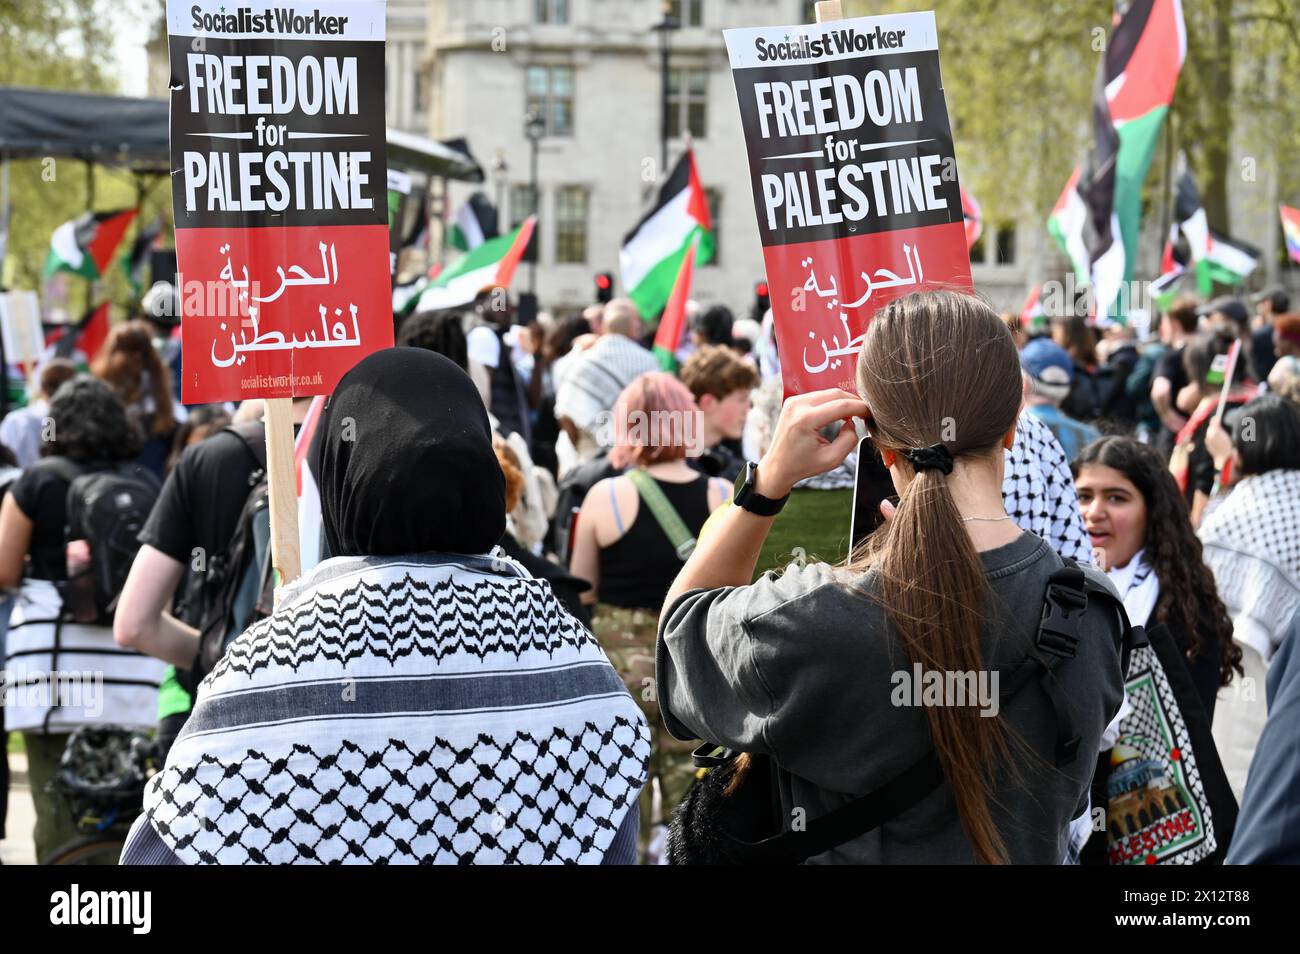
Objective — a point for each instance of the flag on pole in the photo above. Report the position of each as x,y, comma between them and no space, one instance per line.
1033,316
476,222
1291,228
133,263
1173,266
1134,87
86,245
1067,224
972,217
653,252
491,264
672,326
1227,261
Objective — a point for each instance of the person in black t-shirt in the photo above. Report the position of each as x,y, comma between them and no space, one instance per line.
1177,327
194,519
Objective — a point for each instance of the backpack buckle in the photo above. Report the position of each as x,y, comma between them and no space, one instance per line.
1058,630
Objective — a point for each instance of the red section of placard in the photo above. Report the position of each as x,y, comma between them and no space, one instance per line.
823,294
251,303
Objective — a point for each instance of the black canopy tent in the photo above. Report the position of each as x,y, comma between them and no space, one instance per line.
125,131
132,134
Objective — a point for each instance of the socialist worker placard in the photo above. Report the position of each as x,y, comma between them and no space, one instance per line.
854,179
279,185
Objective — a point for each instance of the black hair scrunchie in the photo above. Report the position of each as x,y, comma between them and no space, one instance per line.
935,457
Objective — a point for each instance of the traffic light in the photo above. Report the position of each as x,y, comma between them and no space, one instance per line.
604,287
761,301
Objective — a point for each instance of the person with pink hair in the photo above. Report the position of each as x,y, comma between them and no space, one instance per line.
633,534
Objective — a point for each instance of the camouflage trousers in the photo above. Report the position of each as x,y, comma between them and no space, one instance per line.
628,638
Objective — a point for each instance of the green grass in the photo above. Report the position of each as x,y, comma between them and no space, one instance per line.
16,743
817,521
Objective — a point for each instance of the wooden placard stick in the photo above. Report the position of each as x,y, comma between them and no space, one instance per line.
282,488
829,10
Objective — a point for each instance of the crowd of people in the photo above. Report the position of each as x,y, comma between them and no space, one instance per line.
534,586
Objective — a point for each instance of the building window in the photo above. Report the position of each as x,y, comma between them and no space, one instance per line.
551,11
550,92
688,97
809,14
523,203
571,224
978,250
687,12
1006,245
714,199
421,99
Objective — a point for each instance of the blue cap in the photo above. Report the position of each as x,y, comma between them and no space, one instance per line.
1047,363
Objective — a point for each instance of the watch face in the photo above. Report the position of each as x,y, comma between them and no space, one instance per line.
745,476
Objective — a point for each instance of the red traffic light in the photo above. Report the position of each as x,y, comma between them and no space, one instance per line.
604,287
602,281
761,289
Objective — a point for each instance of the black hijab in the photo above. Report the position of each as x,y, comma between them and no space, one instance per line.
406,460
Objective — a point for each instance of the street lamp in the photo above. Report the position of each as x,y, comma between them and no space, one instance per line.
534,129
664,27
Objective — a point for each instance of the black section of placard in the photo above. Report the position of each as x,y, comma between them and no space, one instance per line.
193,132
871,141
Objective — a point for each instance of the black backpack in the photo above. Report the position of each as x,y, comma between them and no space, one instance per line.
107,506
722,821
237,586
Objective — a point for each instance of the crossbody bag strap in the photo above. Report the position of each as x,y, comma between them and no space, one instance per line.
665,514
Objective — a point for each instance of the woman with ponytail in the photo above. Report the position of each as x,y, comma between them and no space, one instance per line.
831,672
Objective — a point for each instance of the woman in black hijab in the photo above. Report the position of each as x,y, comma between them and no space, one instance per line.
406,460
460,673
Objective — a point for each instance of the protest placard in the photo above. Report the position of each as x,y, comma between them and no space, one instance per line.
280,194
279,191
20,321
854,179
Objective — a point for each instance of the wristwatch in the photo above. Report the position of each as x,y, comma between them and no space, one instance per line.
747,498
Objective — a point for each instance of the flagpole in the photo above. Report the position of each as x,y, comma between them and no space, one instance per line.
1166,205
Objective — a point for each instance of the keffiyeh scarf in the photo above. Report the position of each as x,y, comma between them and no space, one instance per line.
1252,545
1038,490
432,709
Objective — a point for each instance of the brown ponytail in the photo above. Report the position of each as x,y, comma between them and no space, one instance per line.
940,367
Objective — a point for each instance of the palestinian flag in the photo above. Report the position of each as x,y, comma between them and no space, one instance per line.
133,263
1068,223
1227,261
972,218
476,222
86,245
1134,87
80,343
672,326
492,263
1173,266
1033,316
653,252
1291,228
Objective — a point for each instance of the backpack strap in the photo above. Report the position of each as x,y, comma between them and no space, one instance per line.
63,467
1069,591
252,434
665,514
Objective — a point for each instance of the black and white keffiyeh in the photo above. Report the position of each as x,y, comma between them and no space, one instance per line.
1252,545
1038,490
430,709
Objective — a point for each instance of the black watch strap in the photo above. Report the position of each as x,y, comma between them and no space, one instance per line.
747,498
